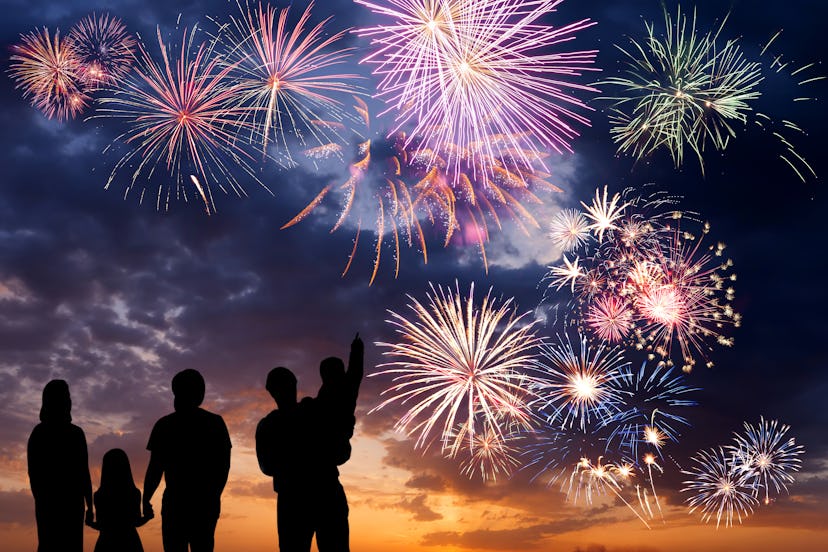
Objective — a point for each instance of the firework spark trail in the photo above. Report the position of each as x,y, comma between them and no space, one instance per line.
46,69
285,76
105,50
576,386
604,213
459,72
765,457
718,488
599,477
650,462
459,365
610,318
178,116
409,190
374,182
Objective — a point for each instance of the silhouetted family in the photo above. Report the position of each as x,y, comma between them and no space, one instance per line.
300,445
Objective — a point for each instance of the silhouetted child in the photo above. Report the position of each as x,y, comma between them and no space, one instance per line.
118,506
337,398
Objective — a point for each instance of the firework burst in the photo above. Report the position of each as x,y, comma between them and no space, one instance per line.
104,48
575,386
610,318
684,90
285,76
647,281
569,230
409,188
489,454
766,457
460,366
718,488
654,398
178,117
45,68
460,72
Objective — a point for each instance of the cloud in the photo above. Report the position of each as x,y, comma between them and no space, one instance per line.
522,538
418,507
426,482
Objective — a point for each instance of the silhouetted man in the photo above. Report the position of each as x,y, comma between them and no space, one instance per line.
59,473
291,447
191,448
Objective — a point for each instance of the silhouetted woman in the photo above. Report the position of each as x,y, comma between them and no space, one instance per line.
118,506
59,473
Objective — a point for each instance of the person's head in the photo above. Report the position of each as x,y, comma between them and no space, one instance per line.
116,473
332,370
281,384
188,389
57,403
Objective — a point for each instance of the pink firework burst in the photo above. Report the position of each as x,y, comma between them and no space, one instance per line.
610,317
687,301
45,68
646,280
286,75
460,72
105,50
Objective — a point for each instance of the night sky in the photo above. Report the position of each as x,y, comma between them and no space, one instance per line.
116,297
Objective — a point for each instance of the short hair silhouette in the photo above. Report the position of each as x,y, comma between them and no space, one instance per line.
280,382
188,388
332,369
57,403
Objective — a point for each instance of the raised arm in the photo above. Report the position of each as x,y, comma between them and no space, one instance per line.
355,365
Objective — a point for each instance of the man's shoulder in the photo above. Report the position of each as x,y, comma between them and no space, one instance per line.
211,417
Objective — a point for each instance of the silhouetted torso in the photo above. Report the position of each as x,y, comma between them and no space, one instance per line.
192,446
118,514
59,476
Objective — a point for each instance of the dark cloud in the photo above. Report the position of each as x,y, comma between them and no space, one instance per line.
426,482
522,538
418,507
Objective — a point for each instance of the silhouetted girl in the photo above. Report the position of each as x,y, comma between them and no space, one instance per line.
118,506
59,473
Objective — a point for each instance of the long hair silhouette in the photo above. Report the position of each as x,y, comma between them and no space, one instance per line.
116,475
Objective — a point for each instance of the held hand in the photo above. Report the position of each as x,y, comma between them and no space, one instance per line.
148,511
144,519
90,519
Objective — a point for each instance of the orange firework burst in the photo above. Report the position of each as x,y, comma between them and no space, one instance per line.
46,70
407,187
